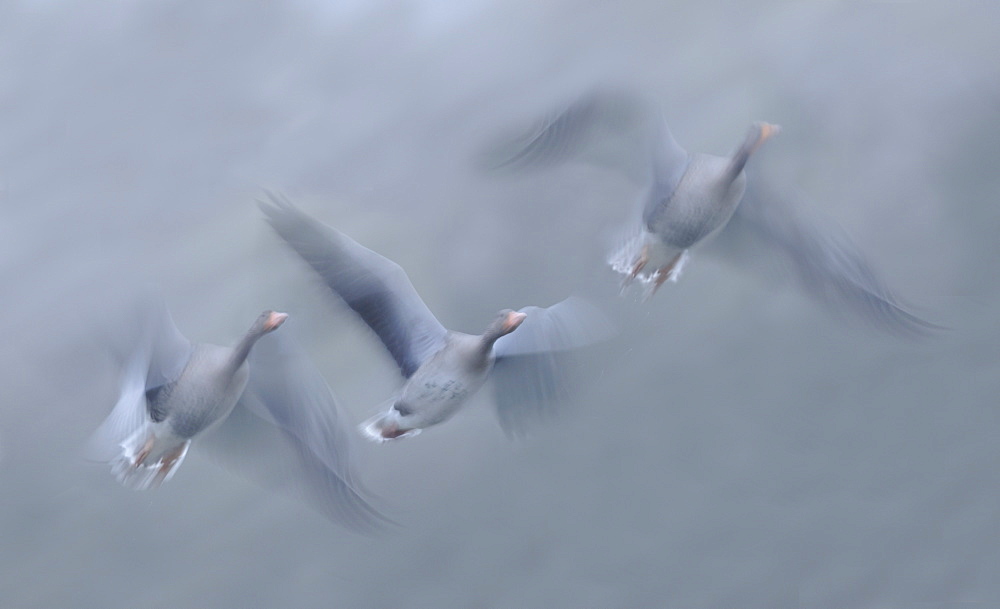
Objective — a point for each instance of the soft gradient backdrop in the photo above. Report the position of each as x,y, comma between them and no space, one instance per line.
737,446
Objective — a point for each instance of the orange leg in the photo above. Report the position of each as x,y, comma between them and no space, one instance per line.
168,463
393,431
664,273
144,452
640,263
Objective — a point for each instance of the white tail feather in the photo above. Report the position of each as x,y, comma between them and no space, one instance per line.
623,259
153,471
374,428
128,416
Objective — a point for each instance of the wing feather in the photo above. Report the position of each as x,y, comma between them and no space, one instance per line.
376,288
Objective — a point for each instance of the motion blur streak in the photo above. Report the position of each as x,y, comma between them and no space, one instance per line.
736,446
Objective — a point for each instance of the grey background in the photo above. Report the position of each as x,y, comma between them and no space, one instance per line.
738,446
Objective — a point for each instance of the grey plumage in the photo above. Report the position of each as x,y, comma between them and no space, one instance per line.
687,198
376,288
443,368
288,434
258,406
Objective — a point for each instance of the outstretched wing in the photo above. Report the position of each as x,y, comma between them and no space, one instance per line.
530,374
169,349
608,127
376,288
286,434
822,259
154,353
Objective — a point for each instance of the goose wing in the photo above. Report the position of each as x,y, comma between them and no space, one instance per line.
608,127
376,288
820,258
531,374
287,434
154,354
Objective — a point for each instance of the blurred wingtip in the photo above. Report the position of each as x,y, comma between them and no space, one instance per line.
566,130
271,201
364,518
894,319
879,309
509,154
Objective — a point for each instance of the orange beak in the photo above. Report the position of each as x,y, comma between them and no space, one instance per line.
274,320
514,319
767,131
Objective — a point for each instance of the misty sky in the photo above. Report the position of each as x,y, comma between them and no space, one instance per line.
738,445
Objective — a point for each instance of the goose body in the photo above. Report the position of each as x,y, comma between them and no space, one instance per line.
678,216
701,204
442,385
173,413
259,408
442,368
203,395
438,388
690,197
674,222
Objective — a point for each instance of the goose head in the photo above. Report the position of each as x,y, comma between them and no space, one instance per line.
506,322
759,133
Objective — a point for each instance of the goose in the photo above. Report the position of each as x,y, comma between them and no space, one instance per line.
442,368
690,197
258,406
